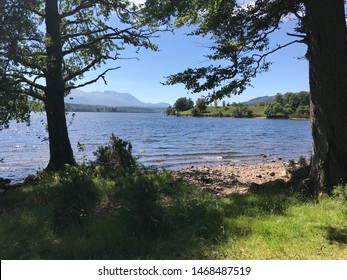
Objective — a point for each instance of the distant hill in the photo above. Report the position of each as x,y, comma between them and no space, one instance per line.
262,99
101,108
109,98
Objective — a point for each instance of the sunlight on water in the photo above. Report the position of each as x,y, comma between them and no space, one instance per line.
170,142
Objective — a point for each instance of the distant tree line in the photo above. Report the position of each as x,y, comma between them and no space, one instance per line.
289,105
184,104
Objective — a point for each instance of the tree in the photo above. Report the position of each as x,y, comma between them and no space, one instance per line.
279,99
289,105
275,110
241,39
183,104
13,15
170,111
68,39
201,104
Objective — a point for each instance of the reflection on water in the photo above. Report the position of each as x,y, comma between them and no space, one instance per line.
170,142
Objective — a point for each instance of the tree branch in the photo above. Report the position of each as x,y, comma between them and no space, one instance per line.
33,84
101,76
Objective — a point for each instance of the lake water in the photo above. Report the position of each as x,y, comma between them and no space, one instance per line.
170,142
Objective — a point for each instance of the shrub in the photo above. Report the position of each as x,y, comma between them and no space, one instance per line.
116,157
242,111
170,111
195,112
140,193
340,192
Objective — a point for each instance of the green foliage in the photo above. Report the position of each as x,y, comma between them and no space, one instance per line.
141,193
201,104
115,157
78,214
170,111
183,104
240,40
340,192
302,111
13,106
66,196
195,112
242,111
275,110
294,105
90,35
14,15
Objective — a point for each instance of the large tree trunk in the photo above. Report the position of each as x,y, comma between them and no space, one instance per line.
327,55
59,143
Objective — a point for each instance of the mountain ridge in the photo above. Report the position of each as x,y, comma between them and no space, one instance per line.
110,99
261,99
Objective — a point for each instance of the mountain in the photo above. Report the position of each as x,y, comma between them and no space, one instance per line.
262,99
109,98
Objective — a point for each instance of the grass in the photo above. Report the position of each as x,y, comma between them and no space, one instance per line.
79,214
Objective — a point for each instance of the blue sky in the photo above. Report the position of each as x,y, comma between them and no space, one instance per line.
142,78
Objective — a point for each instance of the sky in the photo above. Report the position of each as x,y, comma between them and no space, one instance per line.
142,77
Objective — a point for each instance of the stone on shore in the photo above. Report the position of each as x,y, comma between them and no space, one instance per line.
229,179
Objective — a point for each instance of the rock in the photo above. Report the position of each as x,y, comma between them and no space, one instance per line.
259,176
206,180
272,174
284,173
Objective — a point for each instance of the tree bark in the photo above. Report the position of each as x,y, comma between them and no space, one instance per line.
327,54
59,144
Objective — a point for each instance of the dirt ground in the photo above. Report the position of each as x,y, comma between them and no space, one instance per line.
228,179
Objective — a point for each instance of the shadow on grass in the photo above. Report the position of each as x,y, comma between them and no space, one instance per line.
157,218
337,235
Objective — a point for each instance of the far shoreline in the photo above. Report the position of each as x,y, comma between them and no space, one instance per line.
231,117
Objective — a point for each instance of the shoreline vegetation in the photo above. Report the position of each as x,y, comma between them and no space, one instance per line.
115,208
286,106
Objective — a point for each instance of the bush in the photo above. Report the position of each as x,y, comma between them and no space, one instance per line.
140,193
170,111
242,111
340,192
116,157
275,110
195,112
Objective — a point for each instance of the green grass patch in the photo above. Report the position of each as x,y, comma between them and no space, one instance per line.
80,213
